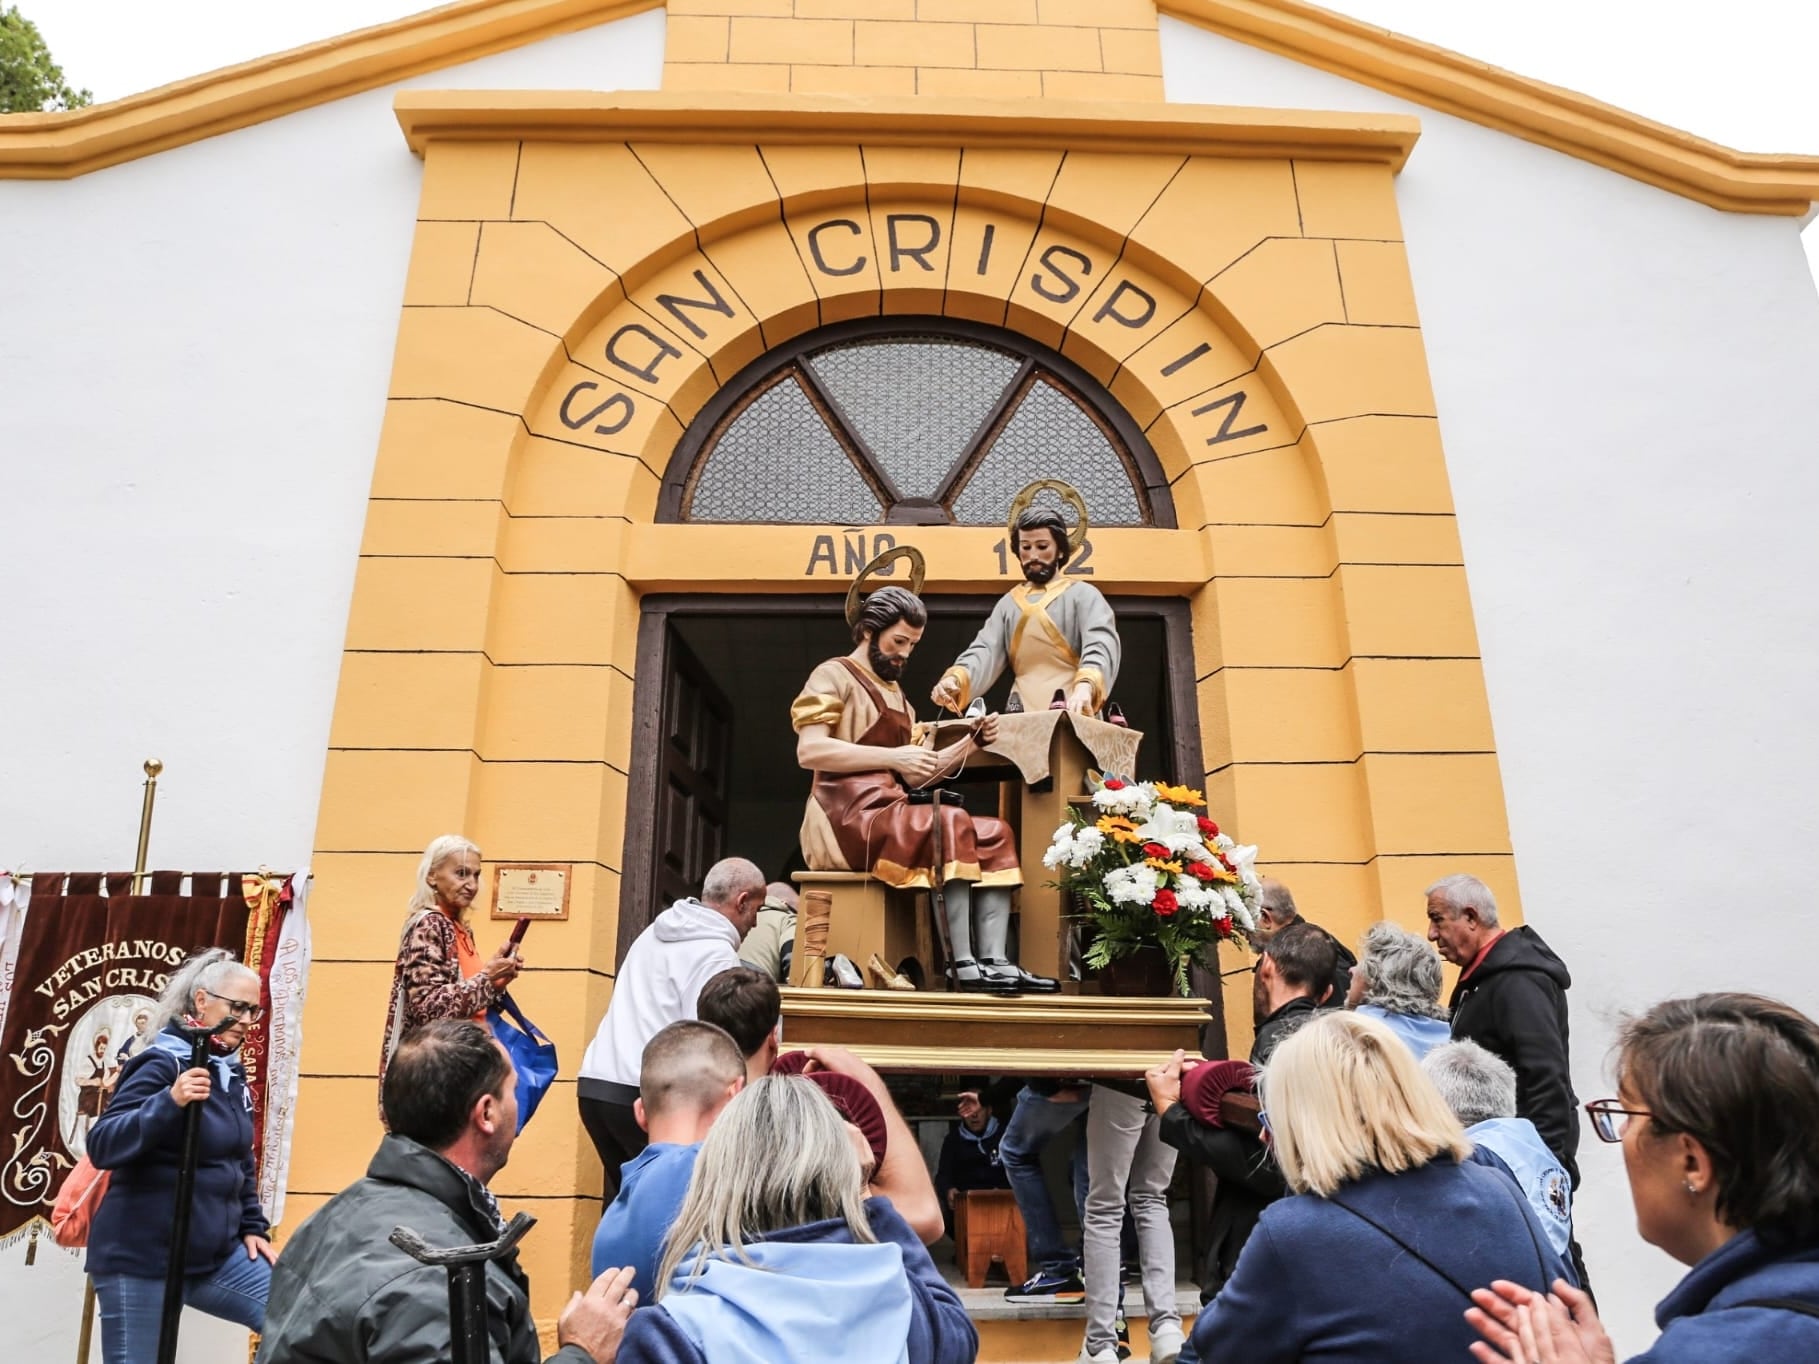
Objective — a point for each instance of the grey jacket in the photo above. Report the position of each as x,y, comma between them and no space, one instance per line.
343,1294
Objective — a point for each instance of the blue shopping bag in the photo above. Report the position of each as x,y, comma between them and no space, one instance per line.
533,1055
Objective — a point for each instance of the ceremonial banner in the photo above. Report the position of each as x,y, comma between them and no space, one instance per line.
92,960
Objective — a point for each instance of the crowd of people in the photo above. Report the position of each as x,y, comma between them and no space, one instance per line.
767,1205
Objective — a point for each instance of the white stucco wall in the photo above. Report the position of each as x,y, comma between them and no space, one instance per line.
1628,389
194,353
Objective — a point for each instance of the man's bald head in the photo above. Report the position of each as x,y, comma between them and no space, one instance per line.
735,887
782,893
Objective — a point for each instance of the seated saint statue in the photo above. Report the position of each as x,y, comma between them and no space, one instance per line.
1059,637
856,732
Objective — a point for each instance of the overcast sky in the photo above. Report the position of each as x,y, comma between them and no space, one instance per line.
1741,74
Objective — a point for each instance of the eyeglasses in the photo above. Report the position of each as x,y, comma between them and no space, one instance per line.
1263,1123
1604,1114
239,1008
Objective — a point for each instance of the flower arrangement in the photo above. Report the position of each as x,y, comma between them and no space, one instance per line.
1151,868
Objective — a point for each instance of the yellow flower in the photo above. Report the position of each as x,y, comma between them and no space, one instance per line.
1112,823
1180,795
1161,865
1124,836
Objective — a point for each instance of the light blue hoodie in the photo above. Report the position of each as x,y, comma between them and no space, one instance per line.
1537,1172
1421,1034
851,1299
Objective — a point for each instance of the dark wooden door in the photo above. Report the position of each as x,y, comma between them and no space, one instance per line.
690,825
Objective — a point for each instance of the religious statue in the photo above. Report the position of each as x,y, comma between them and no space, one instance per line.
1058,635
869,808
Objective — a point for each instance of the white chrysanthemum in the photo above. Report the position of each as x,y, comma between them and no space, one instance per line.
1240,912
1193,895
1134,885
1087,845
1134,800
1059,852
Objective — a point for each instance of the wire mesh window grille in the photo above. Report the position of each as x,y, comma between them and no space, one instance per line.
924,423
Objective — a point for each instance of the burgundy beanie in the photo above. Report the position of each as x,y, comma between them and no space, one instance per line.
1206,1084
852,1100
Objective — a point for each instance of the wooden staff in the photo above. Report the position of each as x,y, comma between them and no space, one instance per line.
152,768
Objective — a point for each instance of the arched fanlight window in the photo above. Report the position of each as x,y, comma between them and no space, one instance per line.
919,421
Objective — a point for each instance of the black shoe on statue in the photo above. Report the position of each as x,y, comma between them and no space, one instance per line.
1024,982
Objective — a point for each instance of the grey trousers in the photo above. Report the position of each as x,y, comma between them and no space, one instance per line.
1126,1159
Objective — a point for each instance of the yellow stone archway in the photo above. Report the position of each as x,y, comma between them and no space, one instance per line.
586,274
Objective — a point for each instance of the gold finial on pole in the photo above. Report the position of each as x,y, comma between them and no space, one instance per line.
153,767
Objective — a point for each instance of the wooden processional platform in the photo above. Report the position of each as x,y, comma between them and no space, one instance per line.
1063,1035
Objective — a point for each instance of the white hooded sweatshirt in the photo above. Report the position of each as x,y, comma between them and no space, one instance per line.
659,982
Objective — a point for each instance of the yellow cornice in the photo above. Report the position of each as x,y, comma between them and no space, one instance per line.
62,146
1740,182
912,120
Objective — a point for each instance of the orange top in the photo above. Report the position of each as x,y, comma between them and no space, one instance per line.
467,953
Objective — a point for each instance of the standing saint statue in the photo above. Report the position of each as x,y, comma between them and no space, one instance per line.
856,732
1058,636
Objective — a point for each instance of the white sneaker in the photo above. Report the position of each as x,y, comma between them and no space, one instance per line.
1109,1355
1165,1345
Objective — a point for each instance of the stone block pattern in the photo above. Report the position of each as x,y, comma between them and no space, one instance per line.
572,306
990,49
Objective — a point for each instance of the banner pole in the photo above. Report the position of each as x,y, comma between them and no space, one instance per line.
152,768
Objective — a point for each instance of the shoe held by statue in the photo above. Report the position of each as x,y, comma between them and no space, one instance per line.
886,978
1024,982
1060,700
1114,715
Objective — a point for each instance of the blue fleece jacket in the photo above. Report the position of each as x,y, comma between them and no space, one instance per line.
1704,1320
811,1293
140,1137
1371,1301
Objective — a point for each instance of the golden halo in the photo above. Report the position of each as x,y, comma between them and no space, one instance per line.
918,574
1066,492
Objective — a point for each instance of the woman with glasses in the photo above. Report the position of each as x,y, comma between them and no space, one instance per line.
139,1138
439,972
1717,1110
1389,1226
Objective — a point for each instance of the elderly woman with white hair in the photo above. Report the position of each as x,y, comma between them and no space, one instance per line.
777,1254
1397,982
1394,1221
439,972
139,1138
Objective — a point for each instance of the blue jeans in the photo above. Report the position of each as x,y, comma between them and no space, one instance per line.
1036,1121
132,1307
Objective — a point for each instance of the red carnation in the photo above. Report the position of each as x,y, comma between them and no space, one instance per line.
1113,784
1207,827
1155,850
1165,903
1200,871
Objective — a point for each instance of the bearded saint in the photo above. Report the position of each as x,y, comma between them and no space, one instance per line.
1059,637
856,732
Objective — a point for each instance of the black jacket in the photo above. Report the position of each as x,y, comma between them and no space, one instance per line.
342,1293
1248,1178
1514,1005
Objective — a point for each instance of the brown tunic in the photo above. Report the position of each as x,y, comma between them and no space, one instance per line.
863,821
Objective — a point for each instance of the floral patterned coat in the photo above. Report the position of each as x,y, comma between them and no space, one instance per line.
427,983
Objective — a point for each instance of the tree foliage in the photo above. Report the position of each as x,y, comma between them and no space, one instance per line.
30,81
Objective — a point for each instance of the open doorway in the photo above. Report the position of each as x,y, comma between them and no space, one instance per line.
714,758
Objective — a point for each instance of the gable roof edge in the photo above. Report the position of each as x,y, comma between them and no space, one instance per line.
1548,115
61,146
